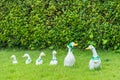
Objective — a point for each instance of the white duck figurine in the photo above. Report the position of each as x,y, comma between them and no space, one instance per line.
95,61
70,59
28,60
39,60
14,61
54,59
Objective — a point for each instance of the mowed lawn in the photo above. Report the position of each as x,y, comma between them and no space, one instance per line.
8,71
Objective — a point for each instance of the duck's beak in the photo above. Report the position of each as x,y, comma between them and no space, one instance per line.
75,44
87,48
23,56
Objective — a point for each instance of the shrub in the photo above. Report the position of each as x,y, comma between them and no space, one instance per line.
36,24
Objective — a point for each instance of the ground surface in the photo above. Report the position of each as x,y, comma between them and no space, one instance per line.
110,66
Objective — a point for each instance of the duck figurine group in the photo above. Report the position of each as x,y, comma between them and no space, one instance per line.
95,61
70,59
54,59
39,60
14,60
28,60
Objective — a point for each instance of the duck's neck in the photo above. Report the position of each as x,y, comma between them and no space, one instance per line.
69,50
54,57
94,52
40,57
28,57
14,59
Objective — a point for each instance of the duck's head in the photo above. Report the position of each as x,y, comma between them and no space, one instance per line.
42,54
26,55
71,45
90,47
13,56
54,52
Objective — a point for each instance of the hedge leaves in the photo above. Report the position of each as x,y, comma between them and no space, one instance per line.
36,24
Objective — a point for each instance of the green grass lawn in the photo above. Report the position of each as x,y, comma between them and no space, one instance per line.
21,71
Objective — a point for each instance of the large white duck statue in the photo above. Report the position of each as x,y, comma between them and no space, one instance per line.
39,60
14,60
95,61
70,59
28,60
54,59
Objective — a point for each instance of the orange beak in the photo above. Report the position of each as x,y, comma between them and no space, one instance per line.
87,48
75,44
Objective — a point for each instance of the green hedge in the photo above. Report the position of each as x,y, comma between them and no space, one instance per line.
36,24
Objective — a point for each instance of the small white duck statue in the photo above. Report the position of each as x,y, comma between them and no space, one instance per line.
39,60
95,61
54,59
28,60
70,59
14,60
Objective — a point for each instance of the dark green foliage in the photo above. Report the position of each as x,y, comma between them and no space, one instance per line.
35,24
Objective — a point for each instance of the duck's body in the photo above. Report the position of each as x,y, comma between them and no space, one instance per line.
39,60
54,59
14,61
95,61
28,60
70,59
